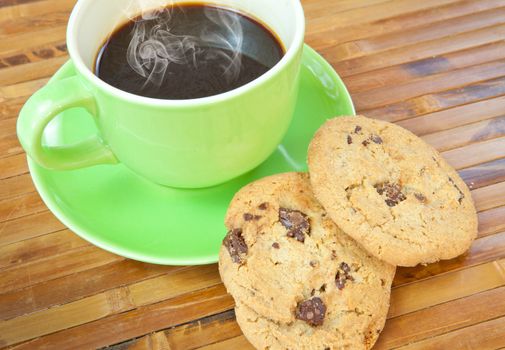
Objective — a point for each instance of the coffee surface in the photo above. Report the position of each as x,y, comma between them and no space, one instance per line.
186,52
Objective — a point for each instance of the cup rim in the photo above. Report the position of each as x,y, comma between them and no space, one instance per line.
288,57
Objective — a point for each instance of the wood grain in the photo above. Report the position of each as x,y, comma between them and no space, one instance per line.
435,67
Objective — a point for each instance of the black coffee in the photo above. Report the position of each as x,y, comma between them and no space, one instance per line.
187,51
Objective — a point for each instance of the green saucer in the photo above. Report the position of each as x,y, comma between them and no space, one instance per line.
120,212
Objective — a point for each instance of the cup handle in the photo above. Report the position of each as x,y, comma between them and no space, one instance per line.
41,108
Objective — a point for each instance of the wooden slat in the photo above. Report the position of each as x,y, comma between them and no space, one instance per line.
330,37
6,3
10,108
411,71
9,93
428,31
491,221
467,134
476,153
35,8
16,186
415,51
489,197
19,42
203,332
34,54
454,117
212,329
439,289
107,303
137,322
53,267
69,288
31,71
13,166
38,248
373,13
484,174
28,227
26,25
315,9
483,336
81,311
434,83
234,343
17,207
443,318
483,250
439,101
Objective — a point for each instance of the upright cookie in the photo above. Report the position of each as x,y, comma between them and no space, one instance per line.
297,280
391,192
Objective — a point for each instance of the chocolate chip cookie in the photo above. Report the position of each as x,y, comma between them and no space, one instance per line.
391,192
297,280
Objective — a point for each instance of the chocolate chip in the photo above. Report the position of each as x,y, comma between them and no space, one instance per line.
313,263
235,243
322,289
392,191
383,282
340,281
248,217
311,311
391,203
349,139
365,143
461,194
376,138
296,222
263,206
343,275
276,245
344,267
257,217
420,197
357,129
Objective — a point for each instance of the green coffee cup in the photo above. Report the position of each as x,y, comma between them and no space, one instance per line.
179,143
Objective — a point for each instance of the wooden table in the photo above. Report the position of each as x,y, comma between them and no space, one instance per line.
436,67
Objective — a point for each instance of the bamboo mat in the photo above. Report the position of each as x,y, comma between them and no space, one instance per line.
435,67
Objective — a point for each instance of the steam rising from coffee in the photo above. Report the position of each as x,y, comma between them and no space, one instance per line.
154,48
